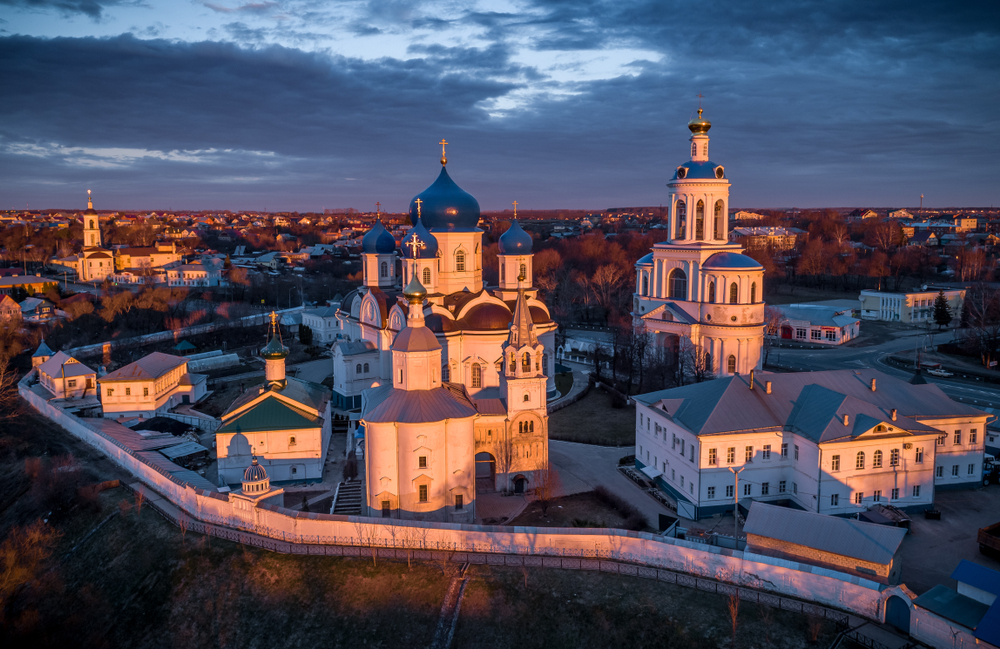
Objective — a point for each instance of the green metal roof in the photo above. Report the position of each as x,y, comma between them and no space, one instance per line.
270,414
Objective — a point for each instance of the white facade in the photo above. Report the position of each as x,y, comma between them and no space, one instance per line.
858,461
696,285
914,307
154,383
67,378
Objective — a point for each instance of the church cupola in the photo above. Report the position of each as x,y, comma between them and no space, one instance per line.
420,256
274,354
699,205
255,480
416,352
514,254
378,252
524,360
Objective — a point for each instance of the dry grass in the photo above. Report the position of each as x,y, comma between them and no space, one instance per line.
563,608
592,420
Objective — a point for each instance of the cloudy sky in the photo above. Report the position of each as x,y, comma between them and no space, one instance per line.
306,104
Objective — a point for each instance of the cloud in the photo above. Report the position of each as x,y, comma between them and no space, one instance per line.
250,7
92,8
580,103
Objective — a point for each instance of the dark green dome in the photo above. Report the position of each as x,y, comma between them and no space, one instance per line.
274,349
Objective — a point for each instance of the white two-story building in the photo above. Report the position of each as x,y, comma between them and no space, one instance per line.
833,442
155,382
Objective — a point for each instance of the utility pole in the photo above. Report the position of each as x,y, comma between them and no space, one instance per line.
736,505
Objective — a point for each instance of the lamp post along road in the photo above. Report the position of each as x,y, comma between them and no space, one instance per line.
736,504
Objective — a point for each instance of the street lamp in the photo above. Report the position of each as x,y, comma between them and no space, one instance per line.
736,505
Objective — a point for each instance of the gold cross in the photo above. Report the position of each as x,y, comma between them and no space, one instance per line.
418,207
274,318
515,209
700,97
444,159
415,244
378,207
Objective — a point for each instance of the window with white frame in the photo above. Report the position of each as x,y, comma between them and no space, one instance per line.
729,491
972,469
816,334
894,457
747,489
859,462
784,449
918,456
712,459
765,453
796,452
800,333
765,488
973,436
711,493
831,336
877,495
730,454
781,486
939,472
894,494
916,491
859,497
958,437
954,470
834,500
835,463
749,454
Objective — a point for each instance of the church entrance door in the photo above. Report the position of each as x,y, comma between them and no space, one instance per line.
486,472
519,483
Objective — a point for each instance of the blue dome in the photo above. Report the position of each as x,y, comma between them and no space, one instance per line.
254,472
700,170
430,249
378,240
515,241
446,207
645,260
731,260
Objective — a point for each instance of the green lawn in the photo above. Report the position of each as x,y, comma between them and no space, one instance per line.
592,420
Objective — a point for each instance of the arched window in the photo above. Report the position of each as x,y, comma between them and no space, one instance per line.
477,375
877,460
711,292
699,221
720,224
91,225
753,293
358,368
366,368
694,149
859,463
734,293
526,398
526,362
445,372
678,284
681,220
708,363
384,270
524,271
427,276
732,364
460,261
645,284
503,271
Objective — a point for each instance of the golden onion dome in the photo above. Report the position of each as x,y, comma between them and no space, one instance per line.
414,291
699,125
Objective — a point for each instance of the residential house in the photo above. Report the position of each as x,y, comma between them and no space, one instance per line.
817,323
912,307
9,309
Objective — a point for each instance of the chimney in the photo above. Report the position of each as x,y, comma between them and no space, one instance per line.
873,385
846,419
894,414
767,387
751,379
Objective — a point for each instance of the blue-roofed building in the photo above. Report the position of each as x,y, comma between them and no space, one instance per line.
965,616
696,292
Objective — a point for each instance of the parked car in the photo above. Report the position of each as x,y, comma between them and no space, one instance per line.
991,470
939,372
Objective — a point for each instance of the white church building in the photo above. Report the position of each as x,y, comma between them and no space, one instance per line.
697,285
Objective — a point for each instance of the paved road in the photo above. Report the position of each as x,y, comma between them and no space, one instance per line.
874,356
581,467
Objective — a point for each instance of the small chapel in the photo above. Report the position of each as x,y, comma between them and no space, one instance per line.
449,377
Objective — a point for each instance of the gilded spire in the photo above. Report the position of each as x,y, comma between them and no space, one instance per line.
90,201
444,158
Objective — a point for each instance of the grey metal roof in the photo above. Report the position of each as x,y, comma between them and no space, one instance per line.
841,536
387,404
312,395
415,339
349,348
817,315
183,450
728,404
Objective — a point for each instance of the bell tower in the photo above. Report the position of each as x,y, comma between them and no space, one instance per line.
91,225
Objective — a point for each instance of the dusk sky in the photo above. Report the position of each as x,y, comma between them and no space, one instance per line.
303,104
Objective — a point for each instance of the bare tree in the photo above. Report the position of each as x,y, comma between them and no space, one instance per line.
10,401
368,534
140,497
546,485
733,605
182,522
772,328
505,453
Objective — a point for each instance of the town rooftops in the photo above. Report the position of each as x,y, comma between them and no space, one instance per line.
152,366
62,362
832,534
728,405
